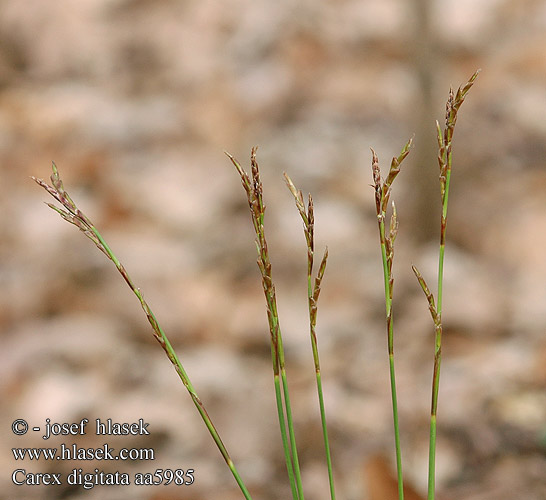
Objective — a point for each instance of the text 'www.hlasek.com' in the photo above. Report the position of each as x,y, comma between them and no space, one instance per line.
79,476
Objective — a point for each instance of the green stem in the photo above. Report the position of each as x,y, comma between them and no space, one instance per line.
432,443
390,340
284,437
313,292
435,380
254,190
279,376
166,345
432,458
74,216
288,408
291,434
382,195
325,437
312,297
438,336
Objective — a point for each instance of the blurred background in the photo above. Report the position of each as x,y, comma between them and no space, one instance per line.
136,101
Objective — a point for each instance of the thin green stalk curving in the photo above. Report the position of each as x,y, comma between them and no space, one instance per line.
445,160
254,190
313,292
382,194
72,214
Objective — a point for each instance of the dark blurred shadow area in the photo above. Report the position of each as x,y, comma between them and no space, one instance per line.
136,102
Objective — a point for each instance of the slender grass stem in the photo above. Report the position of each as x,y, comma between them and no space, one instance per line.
291,433
313,292
254,190
435,380
284,437
382,194
73,215
445,160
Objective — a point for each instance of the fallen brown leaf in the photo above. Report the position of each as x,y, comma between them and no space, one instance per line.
382,484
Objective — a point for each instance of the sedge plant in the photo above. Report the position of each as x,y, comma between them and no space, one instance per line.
254,191
382,190
71,213
313,292
387,234
445,158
